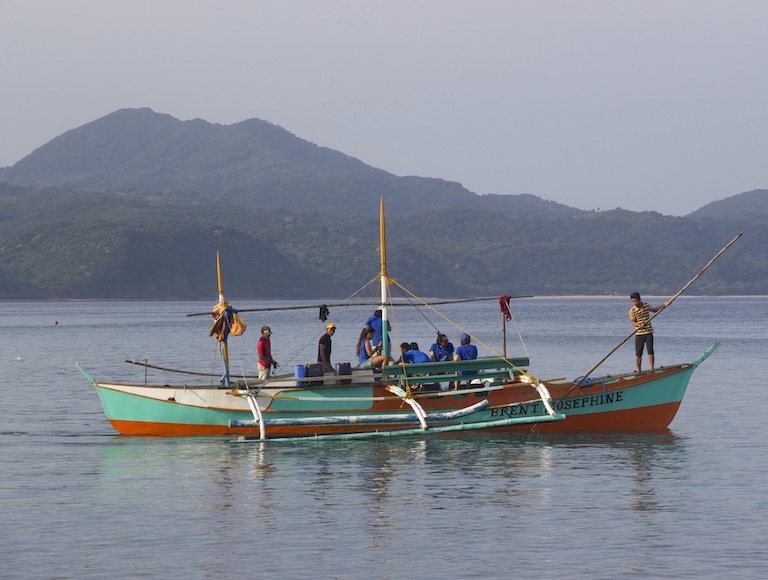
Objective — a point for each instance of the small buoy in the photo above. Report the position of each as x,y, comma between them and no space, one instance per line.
18,358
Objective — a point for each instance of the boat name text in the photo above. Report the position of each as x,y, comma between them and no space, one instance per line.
567,405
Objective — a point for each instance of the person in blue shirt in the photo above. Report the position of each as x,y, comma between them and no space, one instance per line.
465,351
368,355
410,353
442,350
375,322
422,356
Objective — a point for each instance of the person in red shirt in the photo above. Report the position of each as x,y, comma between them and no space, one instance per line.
264,350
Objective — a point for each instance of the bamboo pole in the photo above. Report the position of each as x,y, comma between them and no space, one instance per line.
666,304
504,334
224,346
367,304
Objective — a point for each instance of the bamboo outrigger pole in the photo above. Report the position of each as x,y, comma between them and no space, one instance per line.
683,289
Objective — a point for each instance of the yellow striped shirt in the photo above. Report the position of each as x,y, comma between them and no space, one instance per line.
641,314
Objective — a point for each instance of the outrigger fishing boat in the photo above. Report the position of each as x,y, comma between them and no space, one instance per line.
490,393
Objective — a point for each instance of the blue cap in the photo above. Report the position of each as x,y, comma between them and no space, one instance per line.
464,336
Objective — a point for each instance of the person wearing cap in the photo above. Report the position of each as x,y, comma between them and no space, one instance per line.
264,350
324,347
442,350
641,320
465,351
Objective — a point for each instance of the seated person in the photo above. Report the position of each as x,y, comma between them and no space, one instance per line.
442,350
375,322
410,353
465,351
419,356
367,354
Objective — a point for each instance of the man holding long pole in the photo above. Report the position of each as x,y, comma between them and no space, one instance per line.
641,320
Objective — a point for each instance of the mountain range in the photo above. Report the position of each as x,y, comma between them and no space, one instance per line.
136,204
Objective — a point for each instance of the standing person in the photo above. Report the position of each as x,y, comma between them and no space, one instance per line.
442,350
324,347
264,350
641,320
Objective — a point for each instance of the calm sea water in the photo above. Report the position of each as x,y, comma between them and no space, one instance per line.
78,501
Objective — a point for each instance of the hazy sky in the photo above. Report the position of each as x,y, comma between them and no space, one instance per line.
645,105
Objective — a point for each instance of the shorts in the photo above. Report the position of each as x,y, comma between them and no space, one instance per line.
366,364
643,339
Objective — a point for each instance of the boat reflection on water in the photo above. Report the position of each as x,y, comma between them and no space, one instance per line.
383,485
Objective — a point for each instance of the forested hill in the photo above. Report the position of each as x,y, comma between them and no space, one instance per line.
61,243
136,204
252,163
750,206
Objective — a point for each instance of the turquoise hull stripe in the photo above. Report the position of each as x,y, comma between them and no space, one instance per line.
670,389
127,407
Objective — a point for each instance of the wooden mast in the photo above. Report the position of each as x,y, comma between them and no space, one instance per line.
383,249
504,334
224,348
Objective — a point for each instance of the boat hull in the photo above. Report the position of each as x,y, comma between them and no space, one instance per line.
646,402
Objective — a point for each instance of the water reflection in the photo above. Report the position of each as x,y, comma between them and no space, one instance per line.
513,471
378,494
382,495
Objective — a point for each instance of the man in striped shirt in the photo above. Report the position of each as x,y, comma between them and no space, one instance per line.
641,319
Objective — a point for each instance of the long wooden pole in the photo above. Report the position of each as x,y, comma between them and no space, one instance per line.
218,272
366,304
385,348
224,347
504,334
683,289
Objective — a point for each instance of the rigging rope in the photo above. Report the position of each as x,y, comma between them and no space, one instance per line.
461,329
347,303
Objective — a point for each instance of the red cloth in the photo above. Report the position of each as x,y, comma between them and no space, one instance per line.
504,306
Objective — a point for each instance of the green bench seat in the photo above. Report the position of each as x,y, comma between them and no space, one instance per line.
421,379
485,367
